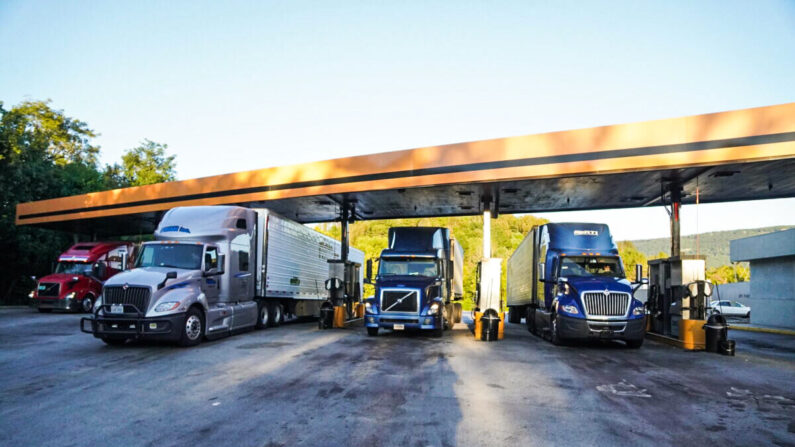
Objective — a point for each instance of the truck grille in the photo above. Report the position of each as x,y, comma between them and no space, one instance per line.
134,296
52,289
611,305
403,300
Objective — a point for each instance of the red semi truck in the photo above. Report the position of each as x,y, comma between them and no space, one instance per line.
79,274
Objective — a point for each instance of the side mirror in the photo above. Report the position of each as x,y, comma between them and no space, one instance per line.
221,264
639,273
99,269
541,275
124,260
369,271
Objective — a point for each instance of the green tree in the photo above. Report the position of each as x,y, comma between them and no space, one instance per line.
630,256
142,165
43,154
729,273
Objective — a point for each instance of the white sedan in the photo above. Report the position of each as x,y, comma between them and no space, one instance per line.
730,309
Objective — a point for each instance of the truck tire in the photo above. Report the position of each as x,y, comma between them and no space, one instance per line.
514,315
635,344
372,331
278,314
87,305
193,329
458,311
263,315
114,341
530,319
45,311
554,331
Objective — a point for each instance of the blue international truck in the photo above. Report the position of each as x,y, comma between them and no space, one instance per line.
420,276
568,281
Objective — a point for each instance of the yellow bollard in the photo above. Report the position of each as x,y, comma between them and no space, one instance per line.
478,325
501,329
359,311
339,316
692,335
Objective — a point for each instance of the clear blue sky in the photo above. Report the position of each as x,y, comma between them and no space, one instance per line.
231,86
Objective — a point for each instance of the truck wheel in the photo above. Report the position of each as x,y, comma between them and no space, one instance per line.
635,344
531,320
459,312
514,315
554,331
372,331
87,305
114,341
193,329
45,311
263,315
278,318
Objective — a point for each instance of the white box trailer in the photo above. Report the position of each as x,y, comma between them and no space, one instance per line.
213,270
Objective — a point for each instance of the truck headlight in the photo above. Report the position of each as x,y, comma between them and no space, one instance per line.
640,310
369,308
70,296
570,309
167,306
434,309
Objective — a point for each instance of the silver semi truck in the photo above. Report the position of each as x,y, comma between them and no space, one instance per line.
215,270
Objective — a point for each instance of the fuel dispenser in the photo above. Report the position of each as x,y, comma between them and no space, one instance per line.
678,300
489,318
344,305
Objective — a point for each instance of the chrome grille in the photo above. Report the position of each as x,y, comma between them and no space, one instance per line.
400,300
133,296
602,305
52,289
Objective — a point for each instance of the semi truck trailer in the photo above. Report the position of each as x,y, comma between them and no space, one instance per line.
568,280
419,278
215,270
77,280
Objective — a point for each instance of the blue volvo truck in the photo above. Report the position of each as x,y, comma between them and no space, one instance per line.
568,281
419,278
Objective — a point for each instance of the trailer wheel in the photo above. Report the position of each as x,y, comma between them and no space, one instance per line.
276,314
372,331
458,311
193,329
531,320
514,315
262,315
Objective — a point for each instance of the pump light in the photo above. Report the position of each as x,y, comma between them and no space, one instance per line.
434,309
167,306
570,309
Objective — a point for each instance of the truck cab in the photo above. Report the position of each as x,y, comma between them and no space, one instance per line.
77,280
575,287
417,281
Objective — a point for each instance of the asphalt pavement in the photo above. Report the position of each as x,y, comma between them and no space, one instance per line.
297,385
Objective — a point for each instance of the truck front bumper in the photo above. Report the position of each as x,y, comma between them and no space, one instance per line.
582,329
167,328
55,303
408,321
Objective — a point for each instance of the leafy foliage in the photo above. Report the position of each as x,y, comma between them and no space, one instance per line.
43,154
142,165
729,273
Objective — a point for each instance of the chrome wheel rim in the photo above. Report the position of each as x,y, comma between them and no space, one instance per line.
88,304
193,327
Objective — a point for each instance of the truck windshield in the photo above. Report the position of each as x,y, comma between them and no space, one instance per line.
408,266
73,268
178,256
590,266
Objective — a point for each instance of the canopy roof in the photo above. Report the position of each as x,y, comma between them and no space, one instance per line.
730,156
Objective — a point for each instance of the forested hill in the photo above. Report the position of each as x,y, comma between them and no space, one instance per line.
714,245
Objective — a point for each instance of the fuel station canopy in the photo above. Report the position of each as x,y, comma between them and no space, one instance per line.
737,155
